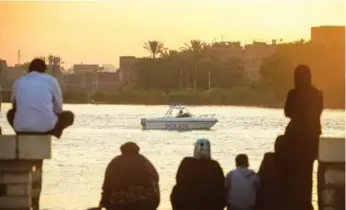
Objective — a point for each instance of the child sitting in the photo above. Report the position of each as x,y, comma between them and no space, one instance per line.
242,184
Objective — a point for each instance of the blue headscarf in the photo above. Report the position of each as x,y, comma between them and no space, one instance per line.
202,149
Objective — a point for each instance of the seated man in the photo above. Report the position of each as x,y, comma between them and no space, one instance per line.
37,110
37,103
131,182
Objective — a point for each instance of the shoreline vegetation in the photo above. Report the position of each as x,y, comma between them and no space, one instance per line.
203,73
239,96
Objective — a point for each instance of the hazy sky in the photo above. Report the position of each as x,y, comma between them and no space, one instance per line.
100,32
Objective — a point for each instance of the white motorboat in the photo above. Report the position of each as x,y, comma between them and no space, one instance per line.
184,120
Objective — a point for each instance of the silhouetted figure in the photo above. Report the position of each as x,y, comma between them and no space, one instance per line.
242,184
37,110
180,113
0,106
304,106
199,182
37,103
131,182
272,194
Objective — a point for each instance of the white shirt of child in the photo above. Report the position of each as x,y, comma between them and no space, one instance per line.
242,185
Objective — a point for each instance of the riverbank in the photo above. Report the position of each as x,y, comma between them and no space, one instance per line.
234,97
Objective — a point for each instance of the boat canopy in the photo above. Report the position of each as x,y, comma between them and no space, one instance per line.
175,108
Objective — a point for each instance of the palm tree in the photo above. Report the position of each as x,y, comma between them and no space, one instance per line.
50,60
168,53
54,62
195,46
197,49
154,48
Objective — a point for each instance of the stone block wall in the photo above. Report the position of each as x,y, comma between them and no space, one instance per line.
331,174
20,170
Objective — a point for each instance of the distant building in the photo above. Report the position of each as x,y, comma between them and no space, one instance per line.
127,69
328,35
227,50
10,75
253,56
55,71
85,68
109,68
91,78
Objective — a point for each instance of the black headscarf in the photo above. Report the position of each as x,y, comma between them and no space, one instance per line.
129,148
302,77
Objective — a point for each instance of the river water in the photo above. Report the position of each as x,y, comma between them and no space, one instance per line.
73,177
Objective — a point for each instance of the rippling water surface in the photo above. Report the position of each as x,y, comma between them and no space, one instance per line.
73,177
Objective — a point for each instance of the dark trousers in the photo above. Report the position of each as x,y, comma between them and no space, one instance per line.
302,154
65,119
300,184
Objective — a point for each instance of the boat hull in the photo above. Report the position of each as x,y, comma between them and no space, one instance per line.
178,124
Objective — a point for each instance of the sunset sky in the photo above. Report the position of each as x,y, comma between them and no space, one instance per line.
100,32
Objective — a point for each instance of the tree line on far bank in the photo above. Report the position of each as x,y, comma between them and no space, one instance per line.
183,76
197,61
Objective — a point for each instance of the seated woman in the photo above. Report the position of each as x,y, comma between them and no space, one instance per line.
131,182
199,182
272,174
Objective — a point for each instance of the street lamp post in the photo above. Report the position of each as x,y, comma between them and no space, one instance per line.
209,79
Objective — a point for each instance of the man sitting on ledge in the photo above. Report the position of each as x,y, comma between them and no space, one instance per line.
37,104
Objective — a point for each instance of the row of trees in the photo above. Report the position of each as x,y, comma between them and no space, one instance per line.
326,63
54,63
195,66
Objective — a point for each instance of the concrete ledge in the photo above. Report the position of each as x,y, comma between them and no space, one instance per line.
34,147
18,189
16,209
16,165
331,150
15,178
335,177
331,174
15,202
25,147
7,147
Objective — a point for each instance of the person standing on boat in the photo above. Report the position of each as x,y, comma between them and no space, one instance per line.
131,182
199,182
304,106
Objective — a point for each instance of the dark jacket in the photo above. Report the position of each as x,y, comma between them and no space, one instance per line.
131,182
304,108
273,177
199,185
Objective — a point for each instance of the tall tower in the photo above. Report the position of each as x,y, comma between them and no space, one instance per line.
18,57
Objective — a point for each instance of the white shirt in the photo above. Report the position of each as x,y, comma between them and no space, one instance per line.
242,185
38,98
